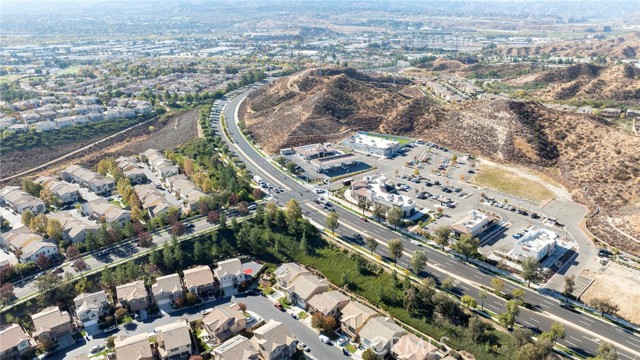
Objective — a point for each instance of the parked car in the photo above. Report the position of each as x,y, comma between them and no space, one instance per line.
416,242
517,235
364,219
324,339
96,348
342,341
252,207
303,347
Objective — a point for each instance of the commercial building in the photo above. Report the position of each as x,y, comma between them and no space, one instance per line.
334,161
375,144
375,190
537,243
473,224
314,151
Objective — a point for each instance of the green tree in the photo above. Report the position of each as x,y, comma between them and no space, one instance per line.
518,294
605,306
606,351
372,244
39,224
54,230
442,234
482,295
368,354
31,187
469,301
476,328
467,245
556,332
223,221
363,204
569,284
26,217
498,285
378,212
530,270
394,216
419,261
395,249
508,318
333,221
292,214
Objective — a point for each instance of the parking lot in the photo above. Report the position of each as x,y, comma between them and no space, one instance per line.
428,174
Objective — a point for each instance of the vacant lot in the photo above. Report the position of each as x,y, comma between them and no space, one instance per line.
511,183
620,285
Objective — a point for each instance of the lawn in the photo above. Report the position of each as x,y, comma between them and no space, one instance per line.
9,78
401,140
69,70
350,348
303,315
511,183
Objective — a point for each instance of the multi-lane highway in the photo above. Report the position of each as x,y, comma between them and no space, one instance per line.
583,332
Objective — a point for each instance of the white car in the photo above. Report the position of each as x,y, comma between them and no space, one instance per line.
324,339
342,341
319,191
416,242
205,311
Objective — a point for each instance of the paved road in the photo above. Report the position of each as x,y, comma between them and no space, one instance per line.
257,304
583,333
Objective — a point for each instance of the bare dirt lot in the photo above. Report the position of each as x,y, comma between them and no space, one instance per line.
618,284
171,132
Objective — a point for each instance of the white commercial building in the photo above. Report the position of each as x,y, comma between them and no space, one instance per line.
374,144
536,243
376,190
473,224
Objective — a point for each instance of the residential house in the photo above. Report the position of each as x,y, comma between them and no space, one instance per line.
159,164
95,116
329,303
67,193
135,347
354,316
380,333
185,190
134,295
86,178
28,245
304,287
286,272
51,323
236,348
14,342
174,340
229,272
167,289
74,227
153,200
7,259
18,128
611,112
411,347
632,114
30,117
224,322
132,170
63,122
90,307
43,126
104,211
20,201
199,280
80,119
274,341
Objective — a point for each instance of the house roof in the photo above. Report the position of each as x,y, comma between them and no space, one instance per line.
327,301
73,224
306,285
222,315
229,267
132,291
111,212
411,347
272,335
237,348
198,276
133,347
356,314
86,301
380,331
169,283
11,336
288,271
173,335
48,319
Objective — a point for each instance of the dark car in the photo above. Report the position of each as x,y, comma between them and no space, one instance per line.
190,226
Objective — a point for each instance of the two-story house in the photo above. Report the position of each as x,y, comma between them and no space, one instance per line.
274,341
51,323
411,347
21,201
90,307
224,322
104,211
134,295
229,272
354,316
65,192
133,347
236,348
380,334
14,342
199,281
167,289
329,303
287,272
304,287
174,340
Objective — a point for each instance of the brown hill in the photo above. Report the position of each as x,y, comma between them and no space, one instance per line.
622,47
618,83
580,152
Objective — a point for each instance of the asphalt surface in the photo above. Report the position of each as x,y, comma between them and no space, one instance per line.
583,332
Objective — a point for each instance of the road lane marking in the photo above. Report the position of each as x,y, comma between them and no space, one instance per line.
582,322
576,339
569,342
534,320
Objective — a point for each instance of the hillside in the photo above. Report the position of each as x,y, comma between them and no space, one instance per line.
618,83
577,151
621,47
